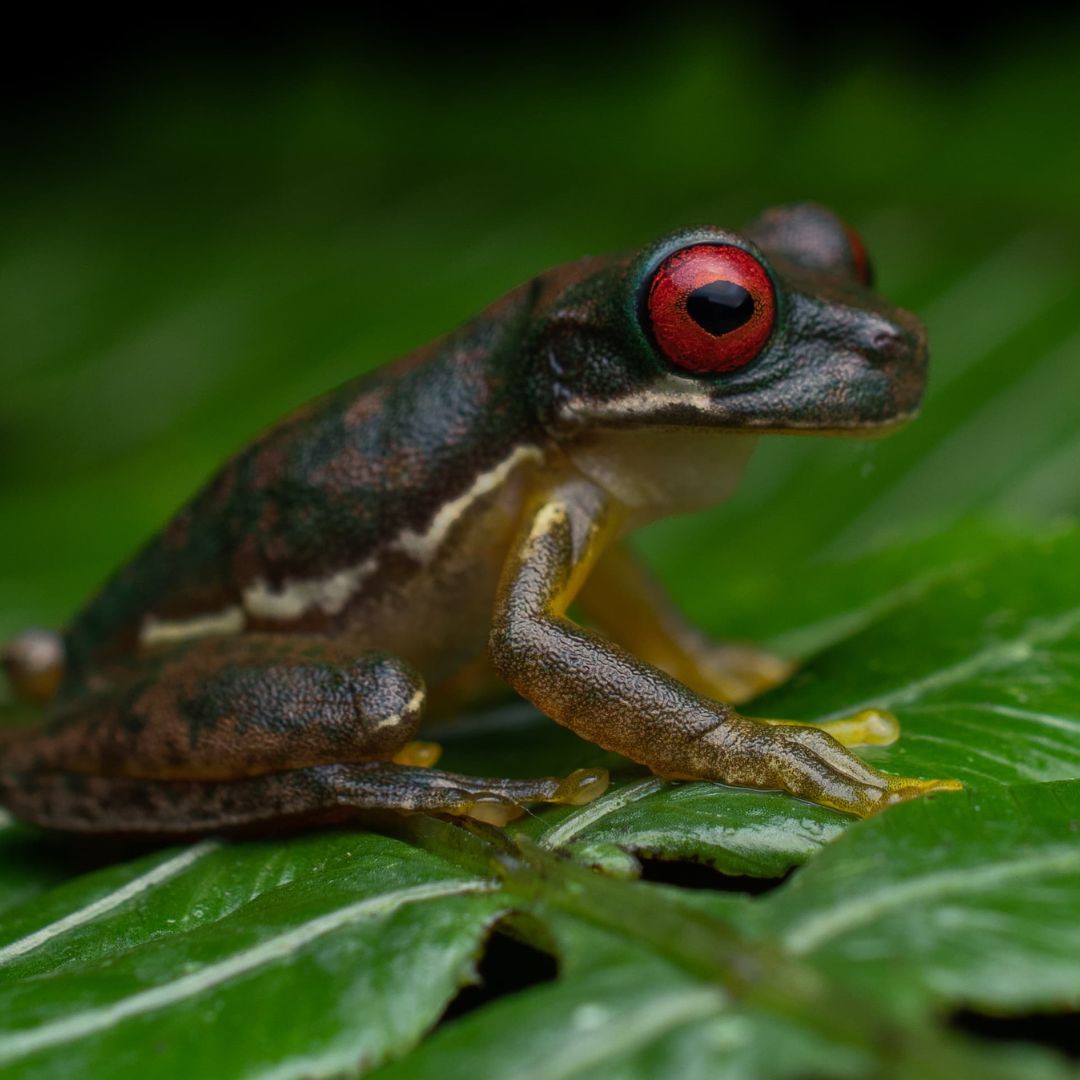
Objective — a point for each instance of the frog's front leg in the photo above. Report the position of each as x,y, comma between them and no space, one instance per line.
614,699
225,734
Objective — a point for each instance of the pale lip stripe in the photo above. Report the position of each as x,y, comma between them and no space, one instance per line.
104,904
21,1043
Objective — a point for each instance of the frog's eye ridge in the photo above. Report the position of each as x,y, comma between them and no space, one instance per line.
711,307
864,269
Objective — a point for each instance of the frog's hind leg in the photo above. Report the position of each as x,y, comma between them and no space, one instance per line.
320,794
218,709
220,735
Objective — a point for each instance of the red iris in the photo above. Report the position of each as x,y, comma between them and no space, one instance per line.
712,307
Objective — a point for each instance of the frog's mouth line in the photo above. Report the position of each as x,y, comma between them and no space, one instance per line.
866,429
678,401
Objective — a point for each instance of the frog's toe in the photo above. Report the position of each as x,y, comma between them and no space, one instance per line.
418,753
903,788
809,762
581,787
872,799
491,809
867,727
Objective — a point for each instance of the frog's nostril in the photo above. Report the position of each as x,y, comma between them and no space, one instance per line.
886,340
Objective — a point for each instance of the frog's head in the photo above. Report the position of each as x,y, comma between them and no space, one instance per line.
775,329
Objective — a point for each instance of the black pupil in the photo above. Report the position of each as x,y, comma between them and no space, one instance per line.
720,306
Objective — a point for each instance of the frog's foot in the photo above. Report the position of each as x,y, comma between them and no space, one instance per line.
809,762
867,727
737,673
312,795
502,801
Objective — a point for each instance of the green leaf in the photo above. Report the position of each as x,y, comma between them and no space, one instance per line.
969,899
649,987
994,697
322,954
759,834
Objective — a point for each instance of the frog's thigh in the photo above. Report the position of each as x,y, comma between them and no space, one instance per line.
316,795
626,601
220,709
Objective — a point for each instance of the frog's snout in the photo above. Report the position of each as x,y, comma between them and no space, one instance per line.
885,342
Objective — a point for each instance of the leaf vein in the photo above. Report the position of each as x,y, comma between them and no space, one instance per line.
79,1025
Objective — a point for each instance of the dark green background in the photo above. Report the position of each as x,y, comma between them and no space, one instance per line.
198,240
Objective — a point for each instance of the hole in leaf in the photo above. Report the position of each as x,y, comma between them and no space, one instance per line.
696,875
1057,1031
508,966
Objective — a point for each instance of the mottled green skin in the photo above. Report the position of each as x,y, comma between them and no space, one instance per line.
286,709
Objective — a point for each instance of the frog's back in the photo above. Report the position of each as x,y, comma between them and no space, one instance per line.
328,507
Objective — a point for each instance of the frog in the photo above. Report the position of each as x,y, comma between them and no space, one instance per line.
415,539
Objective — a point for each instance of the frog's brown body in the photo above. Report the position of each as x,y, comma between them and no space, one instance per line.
321,525
266,656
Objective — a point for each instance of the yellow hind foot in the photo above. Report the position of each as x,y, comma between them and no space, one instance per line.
903,788
738,673
867,727
581,787
419,753
507,799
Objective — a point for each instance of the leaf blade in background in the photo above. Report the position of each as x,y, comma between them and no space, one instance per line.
968,899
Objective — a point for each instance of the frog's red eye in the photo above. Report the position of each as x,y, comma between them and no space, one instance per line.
864,270
712,307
